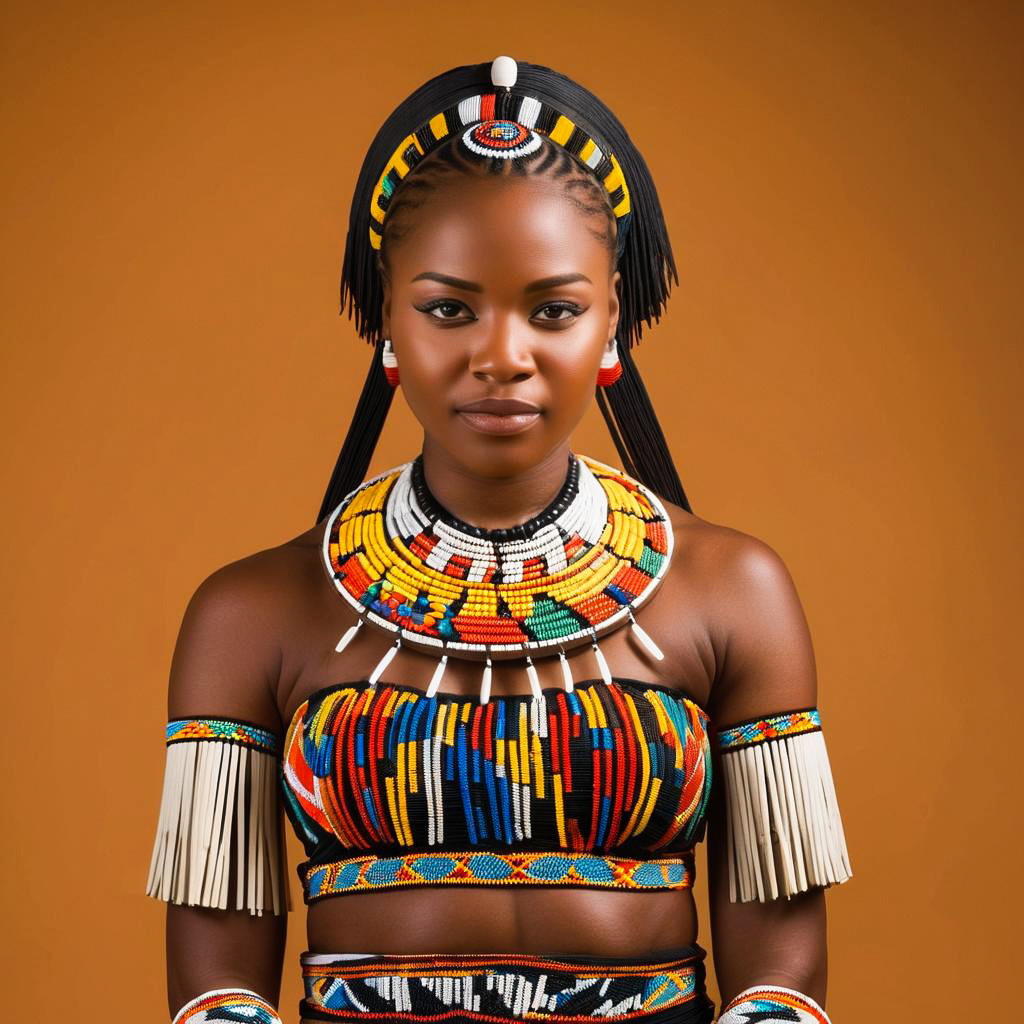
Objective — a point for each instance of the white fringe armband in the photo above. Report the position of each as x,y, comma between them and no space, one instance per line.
218,817
784,832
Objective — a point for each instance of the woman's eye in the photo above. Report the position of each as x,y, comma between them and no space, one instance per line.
558,311
444,309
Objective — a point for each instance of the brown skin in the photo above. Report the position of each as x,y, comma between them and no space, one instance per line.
258,636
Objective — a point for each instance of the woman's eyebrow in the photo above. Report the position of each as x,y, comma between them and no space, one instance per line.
452,282
472,286
555,282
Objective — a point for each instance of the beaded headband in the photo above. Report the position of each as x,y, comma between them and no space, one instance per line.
500,124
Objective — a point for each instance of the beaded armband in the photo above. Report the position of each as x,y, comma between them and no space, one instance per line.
770,1003
784,832
219,819
226,1005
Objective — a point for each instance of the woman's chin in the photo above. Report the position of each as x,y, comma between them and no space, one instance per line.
499,456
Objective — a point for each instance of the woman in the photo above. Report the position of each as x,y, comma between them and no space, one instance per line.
543,660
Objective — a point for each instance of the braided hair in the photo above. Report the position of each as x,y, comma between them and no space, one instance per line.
584,148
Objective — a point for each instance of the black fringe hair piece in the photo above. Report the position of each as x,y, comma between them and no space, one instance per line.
363,433
644,260
637,434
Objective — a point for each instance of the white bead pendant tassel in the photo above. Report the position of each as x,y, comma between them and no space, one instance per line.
485,682
645,638
385,661
566,671
531,672
348,636
435,679
602,665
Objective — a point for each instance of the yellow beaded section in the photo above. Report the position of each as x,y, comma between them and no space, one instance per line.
389,580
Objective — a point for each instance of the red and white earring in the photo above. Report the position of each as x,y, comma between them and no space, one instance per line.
611,368
390,363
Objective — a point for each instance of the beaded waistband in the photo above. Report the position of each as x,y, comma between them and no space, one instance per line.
368,872
666,986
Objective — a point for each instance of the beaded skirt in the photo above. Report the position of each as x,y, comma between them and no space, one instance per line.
664,987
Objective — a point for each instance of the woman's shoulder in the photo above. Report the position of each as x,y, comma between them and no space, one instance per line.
229,649
258,584
721,557
751,611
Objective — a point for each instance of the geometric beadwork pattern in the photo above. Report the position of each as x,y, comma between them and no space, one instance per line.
224,729
621,768
666,987
579,567
789,723
227,1006
771,1003
504,139
586,870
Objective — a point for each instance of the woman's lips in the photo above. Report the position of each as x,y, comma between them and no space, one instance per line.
499,415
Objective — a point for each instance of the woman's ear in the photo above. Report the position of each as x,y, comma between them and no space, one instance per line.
613,305
385,308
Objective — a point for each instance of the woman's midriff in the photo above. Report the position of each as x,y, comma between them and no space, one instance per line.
472,919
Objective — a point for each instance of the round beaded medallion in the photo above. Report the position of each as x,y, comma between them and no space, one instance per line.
505,139
572,572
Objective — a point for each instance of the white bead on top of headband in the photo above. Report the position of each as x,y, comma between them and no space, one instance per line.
504,72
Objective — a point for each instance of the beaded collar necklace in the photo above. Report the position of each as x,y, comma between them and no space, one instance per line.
573,572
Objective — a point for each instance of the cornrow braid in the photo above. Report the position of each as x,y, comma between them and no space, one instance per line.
584,145
451,160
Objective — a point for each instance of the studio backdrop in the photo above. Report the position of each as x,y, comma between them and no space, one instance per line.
838,374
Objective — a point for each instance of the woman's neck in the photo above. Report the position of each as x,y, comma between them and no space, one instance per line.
494,502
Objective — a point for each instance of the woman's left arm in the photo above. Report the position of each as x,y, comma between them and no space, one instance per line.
775,840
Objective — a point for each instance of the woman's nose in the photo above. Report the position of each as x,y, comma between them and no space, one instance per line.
501,355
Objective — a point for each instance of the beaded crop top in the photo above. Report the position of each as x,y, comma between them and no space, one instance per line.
599,783
605,786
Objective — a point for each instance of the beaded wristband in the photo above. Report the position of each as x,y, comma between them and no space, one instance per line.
227,1005
768,1003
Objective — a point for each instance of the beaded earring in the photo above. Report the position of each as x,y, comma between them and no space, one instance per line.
611,368
390,362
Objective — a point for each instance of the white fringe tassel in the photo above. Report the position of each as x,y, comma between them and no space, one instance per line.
602,664
566,671
384,662
347,637
211,790
784,831
645,638
435,679
531,673
485,682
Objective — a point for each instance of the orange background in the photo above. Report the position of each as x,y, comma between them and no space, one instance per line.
838,374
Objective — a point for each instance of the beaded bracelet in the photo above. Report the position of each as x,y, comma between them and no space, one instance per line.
227,1005
769,1003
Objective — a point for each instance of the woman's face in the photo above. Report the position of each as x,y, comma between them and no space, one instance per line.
500,289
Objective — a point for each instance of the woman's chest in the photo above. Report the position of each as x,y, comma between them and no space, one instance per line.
621,766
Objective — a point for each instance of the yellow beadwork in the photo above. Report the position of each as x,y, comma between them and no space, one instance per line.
516,599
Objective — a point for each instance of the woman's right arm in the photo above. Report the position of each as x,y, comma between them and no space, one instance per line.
219,855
